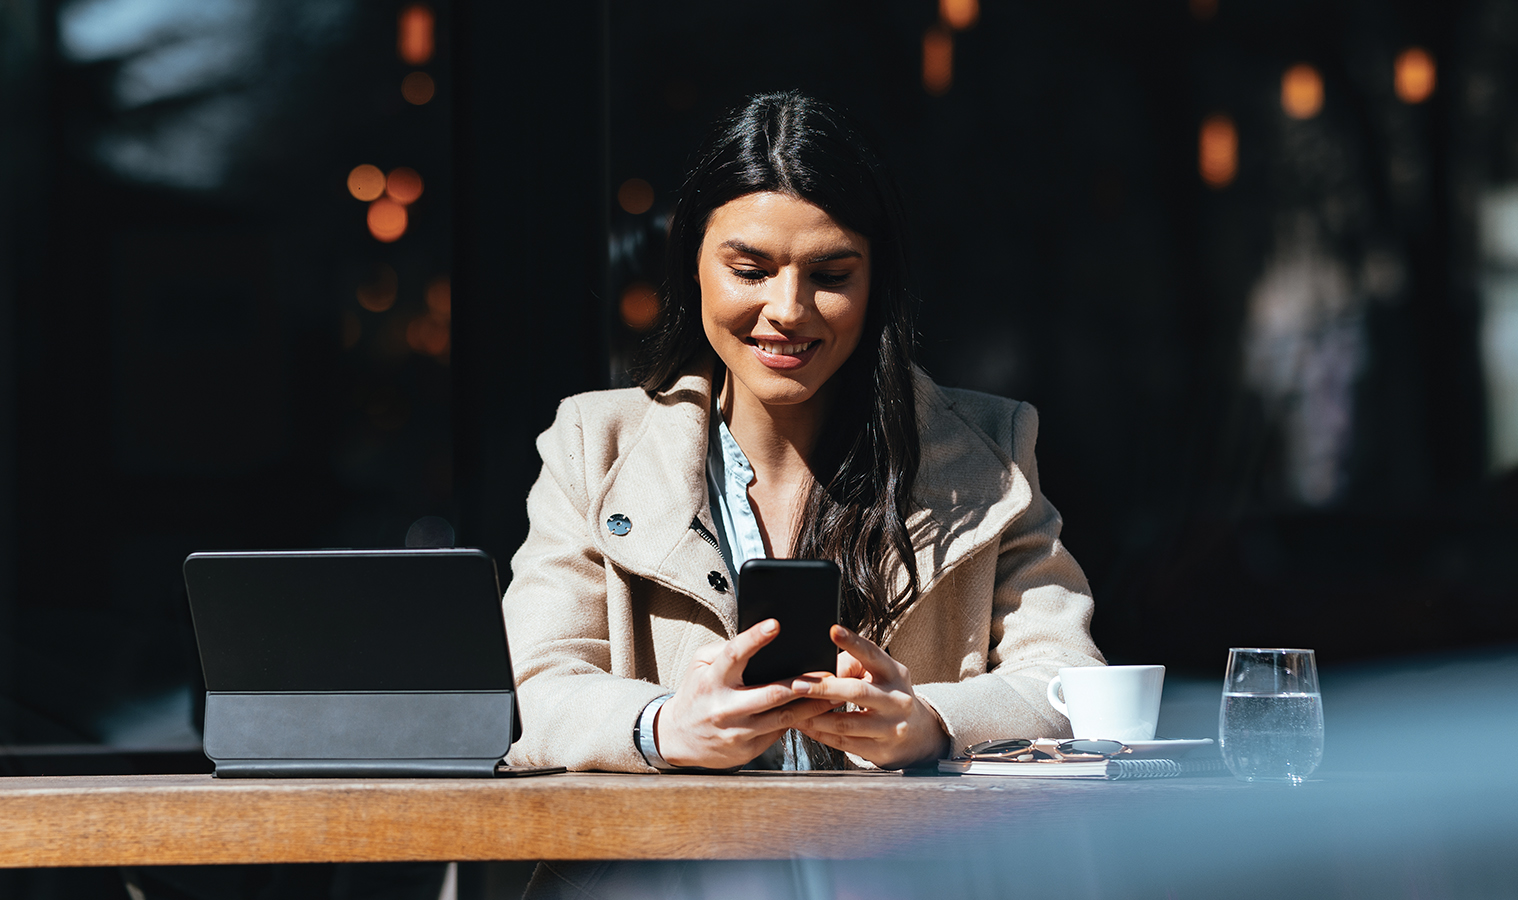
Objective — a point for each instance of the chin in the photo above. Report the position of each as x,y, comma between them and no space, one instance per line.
785,396
772,390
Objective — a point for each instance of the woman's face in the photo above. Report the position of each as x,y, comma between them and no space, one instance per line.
783,294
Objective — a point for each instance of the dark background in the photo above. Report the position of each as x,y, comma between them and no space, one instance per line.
1274,412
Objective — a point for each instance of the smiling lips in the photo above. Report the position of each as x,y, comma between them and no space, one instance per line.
777,355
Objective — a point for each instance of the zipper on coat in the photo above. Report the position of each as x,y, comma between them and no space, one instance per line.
706,535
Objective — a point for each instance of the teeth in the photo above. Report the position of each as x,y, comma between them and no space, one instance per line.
783,349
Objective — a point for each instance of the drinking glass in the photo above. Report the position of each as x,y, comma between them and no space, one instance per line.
1270,726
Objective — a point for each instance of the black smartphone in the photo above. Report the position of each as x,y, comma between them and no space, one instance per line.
803,595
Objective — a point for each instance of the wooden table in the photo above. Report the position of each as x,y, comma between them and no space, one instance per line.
185,819
876,835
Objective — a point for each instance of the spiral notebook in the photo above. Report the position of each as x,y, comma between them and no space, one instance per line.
1106,769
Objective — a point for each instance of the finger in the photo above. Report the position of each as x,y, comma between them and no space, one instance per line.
744,704
864,748
796,714
849,667
832,727
737,652
864,694
868,653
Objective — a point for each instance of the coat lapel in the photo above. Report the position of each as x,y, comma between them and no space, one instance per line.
968,491
659,484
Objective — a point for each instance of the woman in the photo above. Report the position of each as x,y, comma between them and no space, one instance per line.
780,415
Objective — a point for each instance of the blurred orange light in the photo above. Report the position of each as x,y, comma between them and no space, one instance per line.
414,33
428,335
417,88
959,14
387,220
366,182
937,60
1218,151
1415,75
1302,91
403,185
1203,10
640,306
440,296
635,196
379,294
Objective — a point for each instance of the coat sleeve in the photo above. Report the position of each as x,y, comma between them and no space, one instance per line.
575,712
1039,622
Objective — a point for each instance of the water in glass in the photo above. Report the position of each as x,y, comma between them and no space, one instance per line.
1272,737
1270,726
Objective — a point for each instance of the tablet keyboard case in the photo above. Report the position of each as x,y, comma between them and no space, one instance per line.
328,664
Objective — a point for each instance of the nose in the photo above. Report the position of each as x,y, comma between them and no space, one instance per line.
788,302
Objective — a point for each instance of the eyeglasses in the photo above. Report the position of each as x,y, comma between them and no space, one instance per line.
1036,749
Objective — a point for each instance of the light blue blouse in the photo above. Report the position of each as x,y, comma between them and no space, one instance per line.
728,475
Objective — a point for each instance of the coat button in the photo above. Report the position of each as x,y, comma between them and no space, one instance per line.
619,524
717,580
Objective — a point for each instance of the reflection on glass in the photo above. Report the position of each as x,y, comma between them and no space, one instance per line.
197,76
1304,347
1498,221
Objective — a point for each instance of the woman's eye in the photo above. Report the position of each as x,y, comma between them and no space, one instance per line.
830,279
750,274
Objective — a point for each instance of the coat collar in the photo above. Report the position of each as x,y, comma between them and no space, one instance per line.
967,491
659,482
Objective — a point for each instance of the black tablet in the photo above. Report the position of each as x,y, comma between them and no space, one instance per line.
353,662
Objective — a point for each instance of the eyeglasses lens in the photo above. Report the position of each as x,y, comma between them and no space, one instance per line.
1092,748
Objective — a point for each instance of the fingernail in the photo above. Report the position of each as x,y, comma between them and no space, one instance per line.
801,687
769,626
843,632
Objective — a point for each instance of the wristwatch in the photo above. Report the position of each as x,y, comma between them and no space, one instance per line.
643,735
643,739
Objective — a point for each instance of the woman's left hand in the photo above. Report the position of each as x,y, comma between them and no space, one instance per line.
889,726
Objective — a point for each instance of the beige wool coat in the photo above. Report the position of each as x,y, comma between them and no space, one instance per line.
600,623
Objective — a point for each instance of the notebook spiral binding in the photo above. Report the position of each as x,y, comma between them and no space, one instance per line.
1125,769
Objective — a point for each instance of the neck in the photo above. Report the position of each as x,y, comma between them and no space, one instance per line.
778,440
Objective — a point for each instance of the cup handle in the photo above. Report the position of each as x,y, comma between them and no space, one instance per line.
1055,700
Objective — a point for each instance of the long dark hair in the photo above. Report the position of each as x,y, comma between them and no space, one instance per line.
866,458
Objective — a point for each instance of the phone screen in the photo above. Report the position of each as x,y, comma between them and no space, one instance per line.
803,595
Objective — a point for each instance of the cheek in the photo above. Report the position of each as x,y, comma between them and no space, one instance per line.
711,304
725,309
846,317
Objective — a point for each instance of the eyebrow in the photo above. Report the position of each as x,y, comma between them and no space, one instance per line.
828,256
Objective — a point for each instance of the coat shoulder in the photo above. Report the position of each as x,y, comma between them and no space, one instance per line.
1007,424
589,432
607,411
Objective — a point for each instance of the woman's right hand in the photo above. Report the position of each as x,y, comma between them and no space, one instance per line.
715,722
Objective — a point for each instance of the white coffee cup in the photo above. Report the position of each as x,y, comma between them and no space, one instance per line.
1116,703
